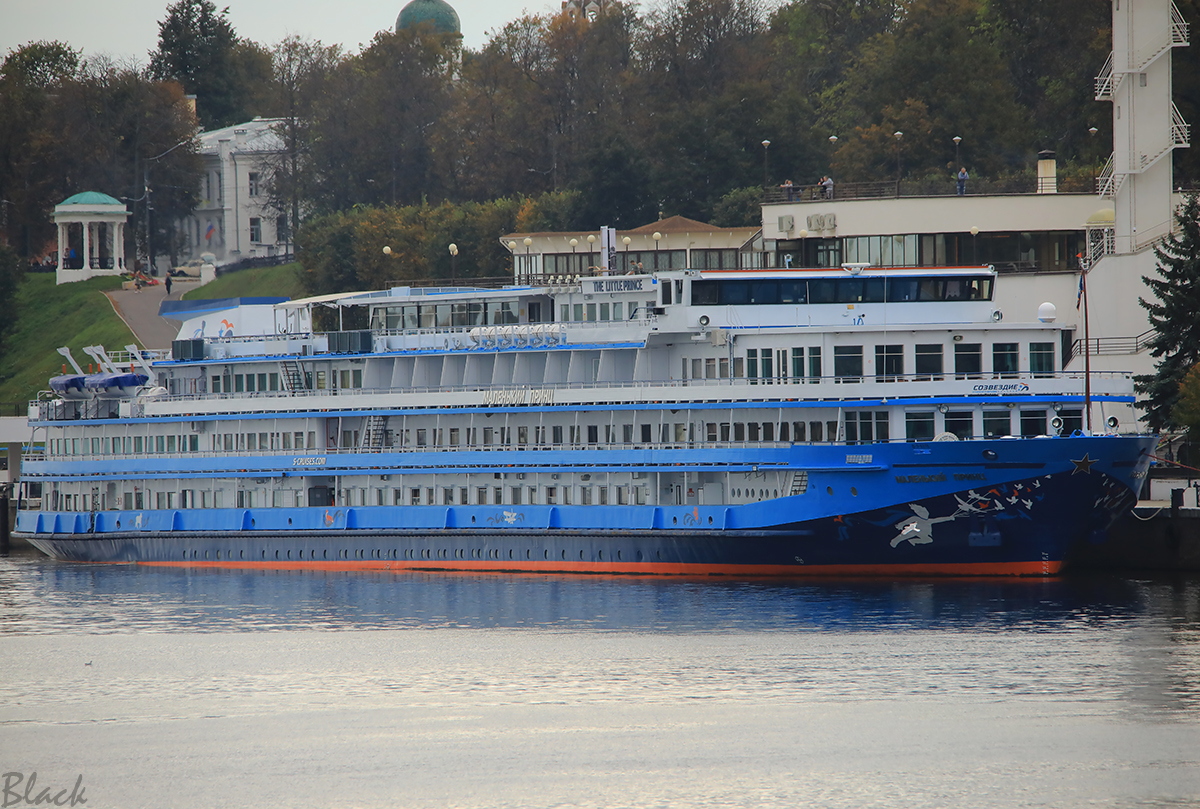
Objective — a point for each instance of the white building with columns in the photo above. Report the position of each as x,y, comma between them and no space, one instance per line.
235,219
91,236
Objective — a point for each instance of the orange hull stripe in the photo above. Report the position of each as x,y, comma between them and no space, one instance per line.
1046,568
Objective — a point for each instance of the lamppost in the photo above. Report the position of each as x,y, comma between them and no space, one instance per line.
149,206
453,261
625,240
803,234
656,236
957,140
528,261
591,239
512,248
766,144
1092,131
975,244
897,135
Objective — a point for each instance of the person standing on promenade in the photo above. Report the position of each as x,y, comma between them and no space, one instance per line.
962,180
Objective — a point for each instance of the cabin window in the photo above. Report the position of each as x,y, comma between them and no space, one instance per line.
556,434
591,312
752,431
814,364
422,437
160,443
617,311
889,363
997,423
768,431
860,426
919,426
798,431
170,443
968,360
1072,420
929,362
216,384
515,493
593,434
1041,359
1004,360
752,365
522,435
1033,423
647,436
739,431
847,363
961,423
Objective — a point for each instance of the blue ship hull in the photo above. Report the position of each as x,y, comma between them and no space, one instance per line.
1007,507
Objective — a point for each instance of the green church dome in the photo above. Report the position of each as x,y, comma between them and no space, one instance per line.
90,198
438,12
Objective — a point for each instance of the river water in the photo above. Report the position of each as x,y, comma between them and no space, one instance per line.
162,687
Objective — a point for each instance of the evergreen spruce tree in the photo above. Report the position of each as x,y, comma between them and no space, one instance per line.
1175,317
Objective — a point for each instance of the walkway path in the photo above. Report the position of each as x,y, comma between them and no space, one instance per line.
139,310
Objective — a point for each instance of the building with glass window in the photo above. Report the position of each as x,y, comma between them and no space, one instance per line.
235,219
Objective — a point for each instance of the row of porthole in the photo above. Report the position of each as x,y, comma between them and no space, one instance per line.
763,494
853,491
476,553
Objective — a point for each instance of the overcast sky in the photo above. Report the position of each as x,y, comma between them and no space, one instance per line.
129,28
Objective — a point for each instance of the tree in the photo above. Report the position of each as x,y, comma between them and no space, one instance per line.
943,59
198,47
300,70
1186,412
30,79
1172,314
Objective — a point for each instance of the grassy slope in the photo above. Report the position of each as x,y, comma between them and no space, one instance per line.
75,315
262,281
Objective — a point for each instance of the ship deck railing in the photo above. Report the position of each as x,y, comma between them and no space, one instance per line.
834,388
596,449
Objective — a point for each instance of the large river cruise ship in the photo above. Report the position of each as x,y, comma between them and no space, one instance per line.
845,421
